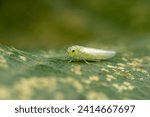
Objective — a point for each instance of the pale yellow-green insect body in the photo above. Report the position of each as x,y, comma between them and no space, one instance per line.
88,54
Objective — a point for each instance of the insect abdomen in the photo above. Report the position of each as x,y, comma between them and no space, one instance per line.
96,54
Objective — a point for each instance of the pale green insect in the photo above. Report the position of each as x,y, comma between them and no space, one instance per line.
88,54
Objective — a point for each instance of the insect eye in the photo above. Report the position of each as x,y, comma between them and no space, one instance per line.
73,50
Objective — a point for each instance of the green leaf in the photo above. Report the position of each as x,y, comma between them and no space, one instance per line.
48,75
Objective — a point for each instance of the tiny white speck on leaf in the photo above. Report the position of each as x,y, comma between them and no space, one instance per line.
23,58
76,70
3,62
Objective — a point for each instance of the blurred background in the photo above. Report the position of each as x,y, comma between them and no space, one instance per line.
59,23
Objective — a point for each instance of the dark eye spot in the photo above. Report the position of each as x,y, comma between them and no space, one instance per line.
73,50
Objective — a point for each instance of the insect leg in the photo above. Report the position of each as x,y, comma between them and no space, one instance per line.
70,60
66,55
86,61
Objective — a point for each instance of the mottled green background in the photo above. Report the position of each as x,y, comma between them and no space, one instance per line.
41,30
47,23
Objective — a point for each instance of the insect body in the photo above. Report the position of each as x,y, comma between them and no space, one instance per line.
90,54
